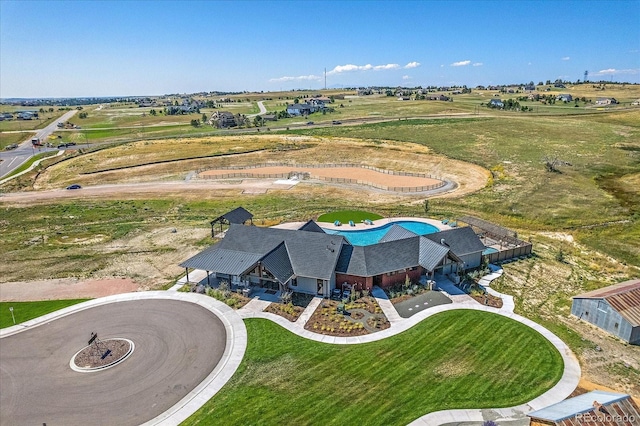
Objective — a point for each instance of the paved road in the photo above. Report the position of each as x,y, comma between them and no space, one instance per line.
13,159
177,345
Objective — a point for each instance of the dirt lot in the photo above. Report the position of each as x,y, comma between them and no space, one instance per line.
65,288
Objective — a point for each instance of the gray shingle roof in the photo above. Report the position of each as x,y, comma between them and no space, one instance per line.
217,259
397,232
311,254
390,256
278,263
238,215
311,226
461,241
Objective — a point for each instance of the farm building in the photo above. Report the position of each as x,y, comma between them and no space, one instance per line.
615,309
593,408
239,216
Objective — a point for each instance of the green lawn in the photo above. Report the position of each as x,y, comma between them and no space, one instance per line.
456,359
25,311
345,216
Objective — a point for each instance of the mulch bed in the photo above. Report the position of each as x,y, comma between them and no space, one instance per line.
487,300
90,357
327,320
290,312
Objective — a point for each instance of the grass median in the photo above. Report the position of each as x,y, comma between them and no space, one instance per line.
456,359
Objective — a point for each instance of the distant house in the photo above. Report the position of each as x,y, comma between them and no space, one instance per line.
269,117
530,87
301,109
565,97
606,101
438,98
404,98
496,103
6,116
27,115
636,102
222,119
593,408
615,309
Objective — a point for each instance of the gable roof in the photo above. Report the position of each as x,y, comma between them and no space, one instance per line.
310,254
390,256
396,232
568,409
238,215
462,241
311,226
624,297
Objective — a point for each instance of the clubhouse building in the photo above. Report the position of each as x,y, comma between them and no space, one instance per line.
309,260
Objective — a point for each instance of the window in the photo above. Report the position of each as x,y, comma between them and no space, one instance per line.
616,326
294,282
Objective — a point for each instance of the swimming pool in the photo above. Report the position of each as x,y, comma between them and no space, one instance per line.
489,250
367,237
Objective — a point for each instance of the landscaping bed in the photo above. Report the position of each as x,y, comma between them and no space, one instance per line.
293,309
334,318
232,299
487,299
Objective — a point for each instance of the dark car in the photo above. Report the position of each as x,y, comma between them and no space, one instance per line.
62,145
74,186
336,122
309,123
71,143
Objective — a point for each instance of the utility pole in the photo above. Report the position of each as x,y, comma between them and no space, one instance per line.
325,78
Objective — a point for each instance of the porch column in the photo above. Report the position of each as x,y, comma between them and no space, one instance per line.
187,269
208,281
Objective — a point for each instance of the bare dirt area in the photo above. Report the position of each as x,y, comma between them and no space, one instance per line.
354,173
65,288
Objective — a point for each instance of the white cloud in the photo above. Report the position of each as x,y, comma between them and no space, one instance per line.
460,64
477,64
610,71
339,69
412,65
298,78
406,77
566,58
386,67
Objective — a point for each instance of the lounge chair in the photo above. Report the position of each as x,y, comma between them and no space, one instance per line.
368,222
445,221
351,223
453,224
337,223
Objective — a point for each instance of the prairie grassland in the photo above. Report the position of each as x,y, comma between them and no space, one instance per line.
11,138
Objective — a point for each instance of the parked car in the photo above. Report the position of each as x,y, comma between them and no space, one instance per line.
12,146
336,122
309,123
71,143
74,186
62,145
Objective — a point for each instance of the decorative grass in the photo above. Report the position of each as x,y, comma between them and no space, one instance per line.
345,216
25,311
456,359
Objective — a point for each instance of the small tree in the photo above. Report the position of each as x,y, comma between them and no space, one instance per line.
286,297
426,206
195,123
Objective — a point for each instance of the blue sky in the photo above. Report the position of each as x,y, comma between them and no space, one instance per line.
117,48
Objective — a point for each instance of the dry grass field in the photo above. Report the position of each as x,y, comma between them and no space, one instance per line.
113,228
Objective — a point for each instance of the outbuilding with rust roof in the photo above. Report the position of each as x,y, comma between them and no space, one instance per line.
615,309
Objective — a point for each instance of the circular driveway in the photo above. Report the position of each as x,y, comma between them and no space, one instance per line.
177,347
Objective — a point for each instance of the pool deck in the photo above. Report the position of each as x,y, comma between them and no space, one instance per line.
382,222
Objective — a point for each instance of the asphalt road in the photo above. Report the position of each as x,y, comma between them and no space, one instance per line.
13,159
177,345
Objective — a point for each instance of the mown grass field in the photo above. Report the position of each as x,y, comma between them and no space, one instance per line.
25,311
456,359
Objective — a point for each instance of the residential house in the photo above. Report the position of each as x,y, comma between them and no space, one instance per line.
606,101
301,109
496,103
269,117
6,116
615,309
593,408
565,97
222,119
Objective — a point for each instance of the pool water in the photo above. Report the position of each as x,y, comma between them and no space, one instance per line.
367,237
489,250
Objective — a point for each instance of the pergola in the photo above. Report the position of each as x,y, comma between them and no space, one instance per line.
238,216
